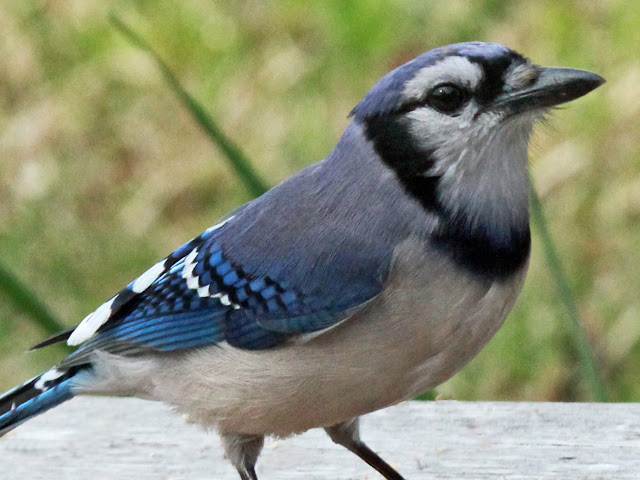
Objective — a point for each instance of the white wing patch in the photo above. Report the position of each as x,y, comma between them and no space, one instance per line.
47,377
147,278
91,324
219,225
187,271
193,281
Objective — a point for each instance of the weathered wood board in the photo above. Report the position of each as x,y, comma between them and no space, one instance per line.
105,438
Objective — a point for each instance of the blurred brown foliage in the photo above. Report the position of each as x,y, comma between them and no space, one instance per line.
103,171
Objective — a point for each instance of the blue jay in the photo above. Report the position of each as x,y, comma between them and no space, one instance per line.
361,281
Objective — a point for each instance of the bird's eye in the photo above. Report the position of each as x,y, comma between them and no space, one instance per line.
447,98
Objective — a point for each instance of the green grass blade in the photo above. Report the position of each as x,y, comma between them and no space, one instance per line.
586,357
238,160
27,301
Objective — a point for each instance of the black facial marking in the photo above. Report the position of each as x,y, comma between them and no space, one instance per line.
494,69
392,141
486,253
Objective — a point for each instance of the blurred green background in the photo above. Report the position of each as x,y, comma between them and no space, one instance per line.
103,171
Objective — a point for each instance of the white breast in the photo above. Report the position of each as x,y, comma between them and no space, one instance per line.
429,322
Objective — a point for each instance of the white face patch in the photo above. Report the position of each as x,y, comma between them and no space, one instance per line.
453,69
479,154
433,129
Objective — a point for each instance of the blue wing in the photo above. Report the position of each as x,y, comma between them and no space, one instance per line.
205,298
300,258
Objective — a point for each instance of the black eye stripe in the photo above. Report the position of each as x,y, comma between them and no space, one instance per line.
494,70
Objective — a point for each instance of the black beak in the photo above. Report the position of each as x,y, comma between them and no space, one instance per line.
554,86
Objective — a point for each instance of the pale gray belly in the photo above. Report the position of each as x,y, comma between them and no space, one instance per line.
422,329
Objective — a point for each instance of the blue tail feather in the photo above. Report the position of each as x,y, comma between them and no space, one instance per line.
34,397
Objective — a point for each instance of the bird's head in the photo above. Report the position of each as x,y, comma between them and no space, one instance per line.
454,124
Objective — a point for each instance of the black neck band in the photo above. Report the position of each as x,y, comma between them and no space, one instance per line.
483,252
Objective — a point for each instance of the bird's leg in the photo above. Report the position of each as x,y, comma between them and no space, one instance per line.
242,451
247,473
347,435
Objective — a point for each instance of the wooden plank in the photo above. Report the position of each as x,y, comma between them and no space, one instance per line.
105,438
